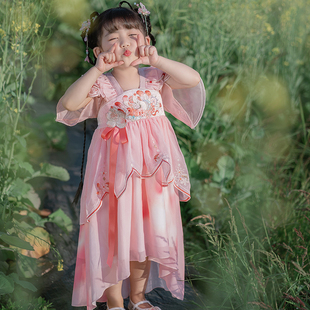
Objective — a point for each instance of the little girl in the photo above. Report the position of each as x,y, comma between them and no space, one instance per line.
131,238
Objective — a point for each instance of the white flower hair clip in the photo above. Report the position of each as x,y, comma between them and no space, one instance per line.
143,12
142,9
85,28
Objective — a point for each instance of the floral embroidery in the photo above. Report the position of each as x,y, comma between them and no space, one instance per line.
116,117
181,176
158,157
102,185
140,105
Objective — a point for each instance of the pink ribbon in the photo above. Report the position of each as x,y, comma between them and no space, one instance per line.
117,135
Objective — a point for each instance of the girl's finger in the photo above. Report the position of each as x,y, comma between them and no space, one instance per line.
116,64
136,62
112,48
152,50
140,40
147,50
141,51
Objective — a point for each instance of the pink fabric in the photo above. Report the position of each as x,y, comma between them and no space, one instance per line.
101,92
149,226
150,178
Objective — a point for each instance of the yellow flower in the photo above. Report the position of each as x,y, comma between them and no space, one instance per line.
36,28
276,50
15,47
60,266
2,33
269,28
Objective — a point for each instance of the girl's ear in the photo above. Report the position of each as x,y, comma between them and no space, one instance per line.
147,40
97,50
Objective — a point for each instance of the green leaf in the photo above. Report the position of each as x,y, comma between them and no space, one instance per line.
6,284
26,166
25,284
39,221
21,140
61,220
16,241
33,198
19,188
7,254
27,266
4,266
22,222
52,171
226,167
10,88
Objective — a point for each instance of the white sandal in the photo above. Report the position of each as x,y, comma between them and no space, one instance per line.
132,306
115,308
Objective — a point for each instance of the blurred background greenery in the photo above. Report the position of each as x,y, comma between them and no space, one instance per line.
246,228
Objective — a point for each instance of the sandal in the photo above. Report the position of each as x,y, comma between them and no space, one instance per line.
115,308
132,306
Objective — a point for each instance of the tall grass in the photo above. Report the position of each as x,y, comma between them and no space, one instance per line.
248,158
24,31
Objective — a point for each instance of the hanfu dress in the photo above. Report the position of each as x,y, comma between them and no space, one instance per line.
134,180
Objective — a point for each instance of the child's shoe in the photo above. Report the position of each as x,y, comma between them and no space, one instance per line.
115,308
132,306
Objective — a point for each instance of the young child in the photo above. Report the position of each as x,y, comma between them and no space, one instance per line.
131,238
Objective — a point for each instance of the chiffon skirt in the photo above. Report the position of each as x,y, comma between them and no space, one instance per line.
149,225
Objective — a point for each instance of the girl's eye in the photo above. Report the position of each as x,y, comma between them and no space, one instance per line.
133,35
112,39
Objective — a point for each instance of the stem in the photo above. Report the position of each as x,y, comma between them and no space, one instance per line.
5,53
19,87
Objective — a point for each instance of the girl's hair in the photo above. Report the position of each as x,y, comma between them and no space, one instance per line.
113,19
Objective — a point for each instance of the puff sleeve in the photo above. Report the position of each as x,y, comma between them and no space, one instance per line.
98,93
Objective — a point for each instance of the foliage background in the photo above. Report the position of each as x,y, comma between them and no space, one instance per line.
247,224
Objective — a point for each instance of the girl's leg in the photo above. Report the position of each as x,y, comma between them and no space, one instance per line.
139,274
114,295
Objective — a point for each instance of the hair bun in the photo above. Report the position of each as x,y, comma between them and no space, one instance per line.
121,3
94,14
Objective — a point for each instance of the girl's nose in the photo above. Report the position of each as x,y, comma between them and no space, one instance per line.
124,43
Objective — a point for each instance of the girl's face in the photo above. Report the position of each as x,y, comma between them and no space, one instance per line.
126,43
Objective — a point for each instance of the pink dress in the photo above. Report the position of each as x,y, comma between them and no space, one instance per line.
134,157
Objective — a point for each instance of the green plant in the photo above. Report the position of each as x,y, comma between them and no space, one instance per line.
24,31
33,304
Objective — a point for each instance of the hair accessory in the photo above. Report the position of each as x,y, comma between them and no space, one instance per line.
143,12
85,28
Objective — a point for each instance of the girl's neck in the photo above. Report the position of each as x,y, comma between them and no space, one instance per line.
127,78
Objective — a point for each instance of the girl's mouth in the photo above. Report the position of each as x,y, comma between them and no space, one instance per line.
127,53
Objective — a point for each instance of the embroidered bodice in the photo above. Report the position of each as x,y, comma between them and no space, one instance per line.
131,106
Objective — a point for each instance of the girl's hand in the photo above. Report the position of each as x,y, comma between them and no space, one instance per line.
147,54
107,60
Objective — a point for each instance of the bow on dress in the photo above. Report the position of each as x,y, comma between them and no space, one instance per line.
117,136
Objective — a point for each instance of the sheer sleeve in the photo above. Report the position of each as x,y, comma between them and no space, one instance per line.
98,93
186,104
